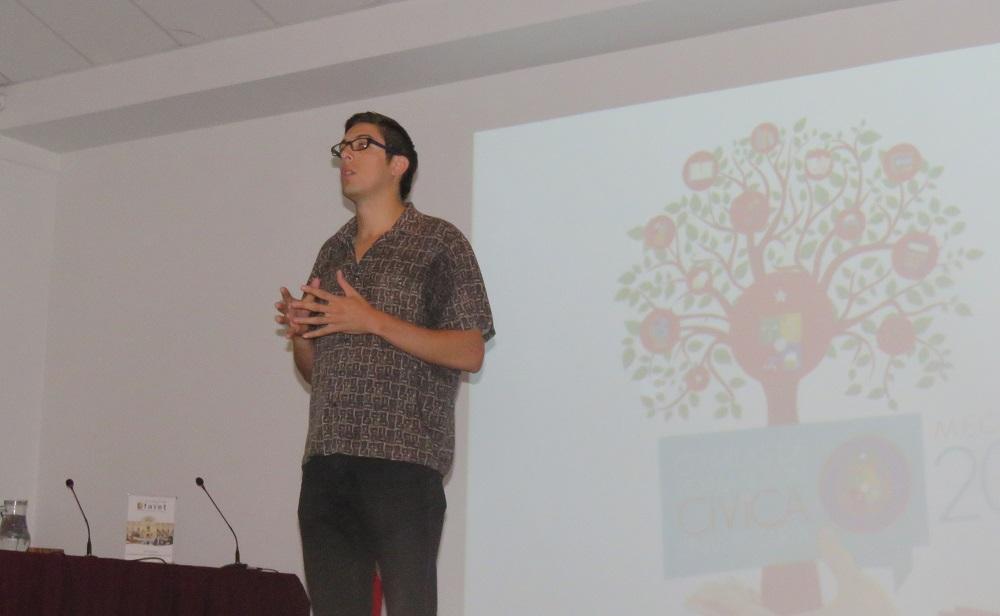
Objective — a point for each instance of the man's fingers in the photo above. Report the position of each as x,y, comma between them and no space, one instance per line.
317,292
322,331
312,306
324,320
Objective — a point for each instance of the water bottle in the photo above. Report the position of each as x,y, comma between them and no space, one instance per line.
14,526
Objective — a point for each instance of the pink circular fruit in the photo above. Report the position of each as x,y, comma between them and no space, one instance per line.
915,255
896,336
696,379
819,164
850,224
659,331
764,138
700,170
901,162
659,232
749,212
781,327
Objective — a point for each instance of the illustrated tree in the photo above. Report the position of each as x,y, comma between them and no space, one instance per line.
793,246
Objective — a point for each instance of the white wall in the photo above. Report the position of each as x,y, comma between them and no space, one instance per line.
162,359
28,183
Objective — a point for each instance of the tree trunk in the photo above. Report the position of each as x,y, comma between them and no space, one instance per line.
782,402
789,588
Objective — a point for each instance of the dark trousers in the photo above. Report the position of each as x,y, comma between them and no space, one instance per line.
356,512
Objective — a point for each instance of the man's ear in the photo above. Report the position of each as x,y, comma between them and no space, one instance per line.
398,165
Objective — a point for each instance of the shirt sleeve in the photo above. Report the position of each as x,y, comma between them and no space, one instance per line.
463,303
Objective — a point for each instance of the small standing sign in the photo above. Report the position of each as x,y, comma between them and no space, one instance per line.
149,529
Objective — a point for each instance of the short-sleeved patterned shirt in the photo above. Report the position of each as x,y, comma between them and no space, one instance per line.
369,398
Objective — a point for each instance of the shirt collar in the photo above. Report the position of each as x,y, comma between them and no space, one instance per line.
408,223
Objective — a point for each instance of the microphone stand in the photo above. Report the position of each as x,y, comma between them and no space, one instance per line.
201,484
70,484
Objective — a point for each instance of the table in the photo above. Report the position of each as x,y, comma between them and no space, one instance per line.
60,585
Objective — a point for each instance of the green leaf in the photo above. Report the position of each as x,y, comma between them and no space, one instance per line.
721,356
736,382
808,249
868,137
822,196
632,327
853,390
973,254
640,374
957,228
623,294
628,356
637,233
799,125
627,278
921,324
648,402
721,412
876,393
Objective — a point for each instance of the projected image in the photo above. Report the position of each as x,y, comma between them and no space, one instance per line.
747,362
793,247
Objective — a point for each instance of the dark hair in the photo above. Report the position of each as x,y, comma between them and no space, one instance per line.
397,143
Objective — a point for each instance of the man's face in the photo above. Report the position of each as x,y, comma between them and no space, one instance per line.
370,172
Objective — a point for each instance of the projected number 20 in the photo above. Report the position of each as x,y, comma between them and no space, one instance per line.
987,470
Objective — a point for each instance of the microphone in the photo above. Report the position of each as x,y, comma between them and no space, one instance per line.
69,484
201,484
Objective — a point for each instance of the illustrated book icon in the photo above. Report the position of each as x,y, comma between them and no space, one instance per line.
149,531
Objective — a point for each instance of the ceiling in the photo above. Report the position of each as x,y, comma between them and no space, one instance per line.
84,73
42,38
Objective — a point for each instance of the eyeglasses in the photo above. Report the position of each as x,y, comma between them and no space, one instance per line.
357,144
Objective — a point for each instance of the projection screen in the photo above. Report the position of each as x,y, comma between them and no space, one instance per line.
743,352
